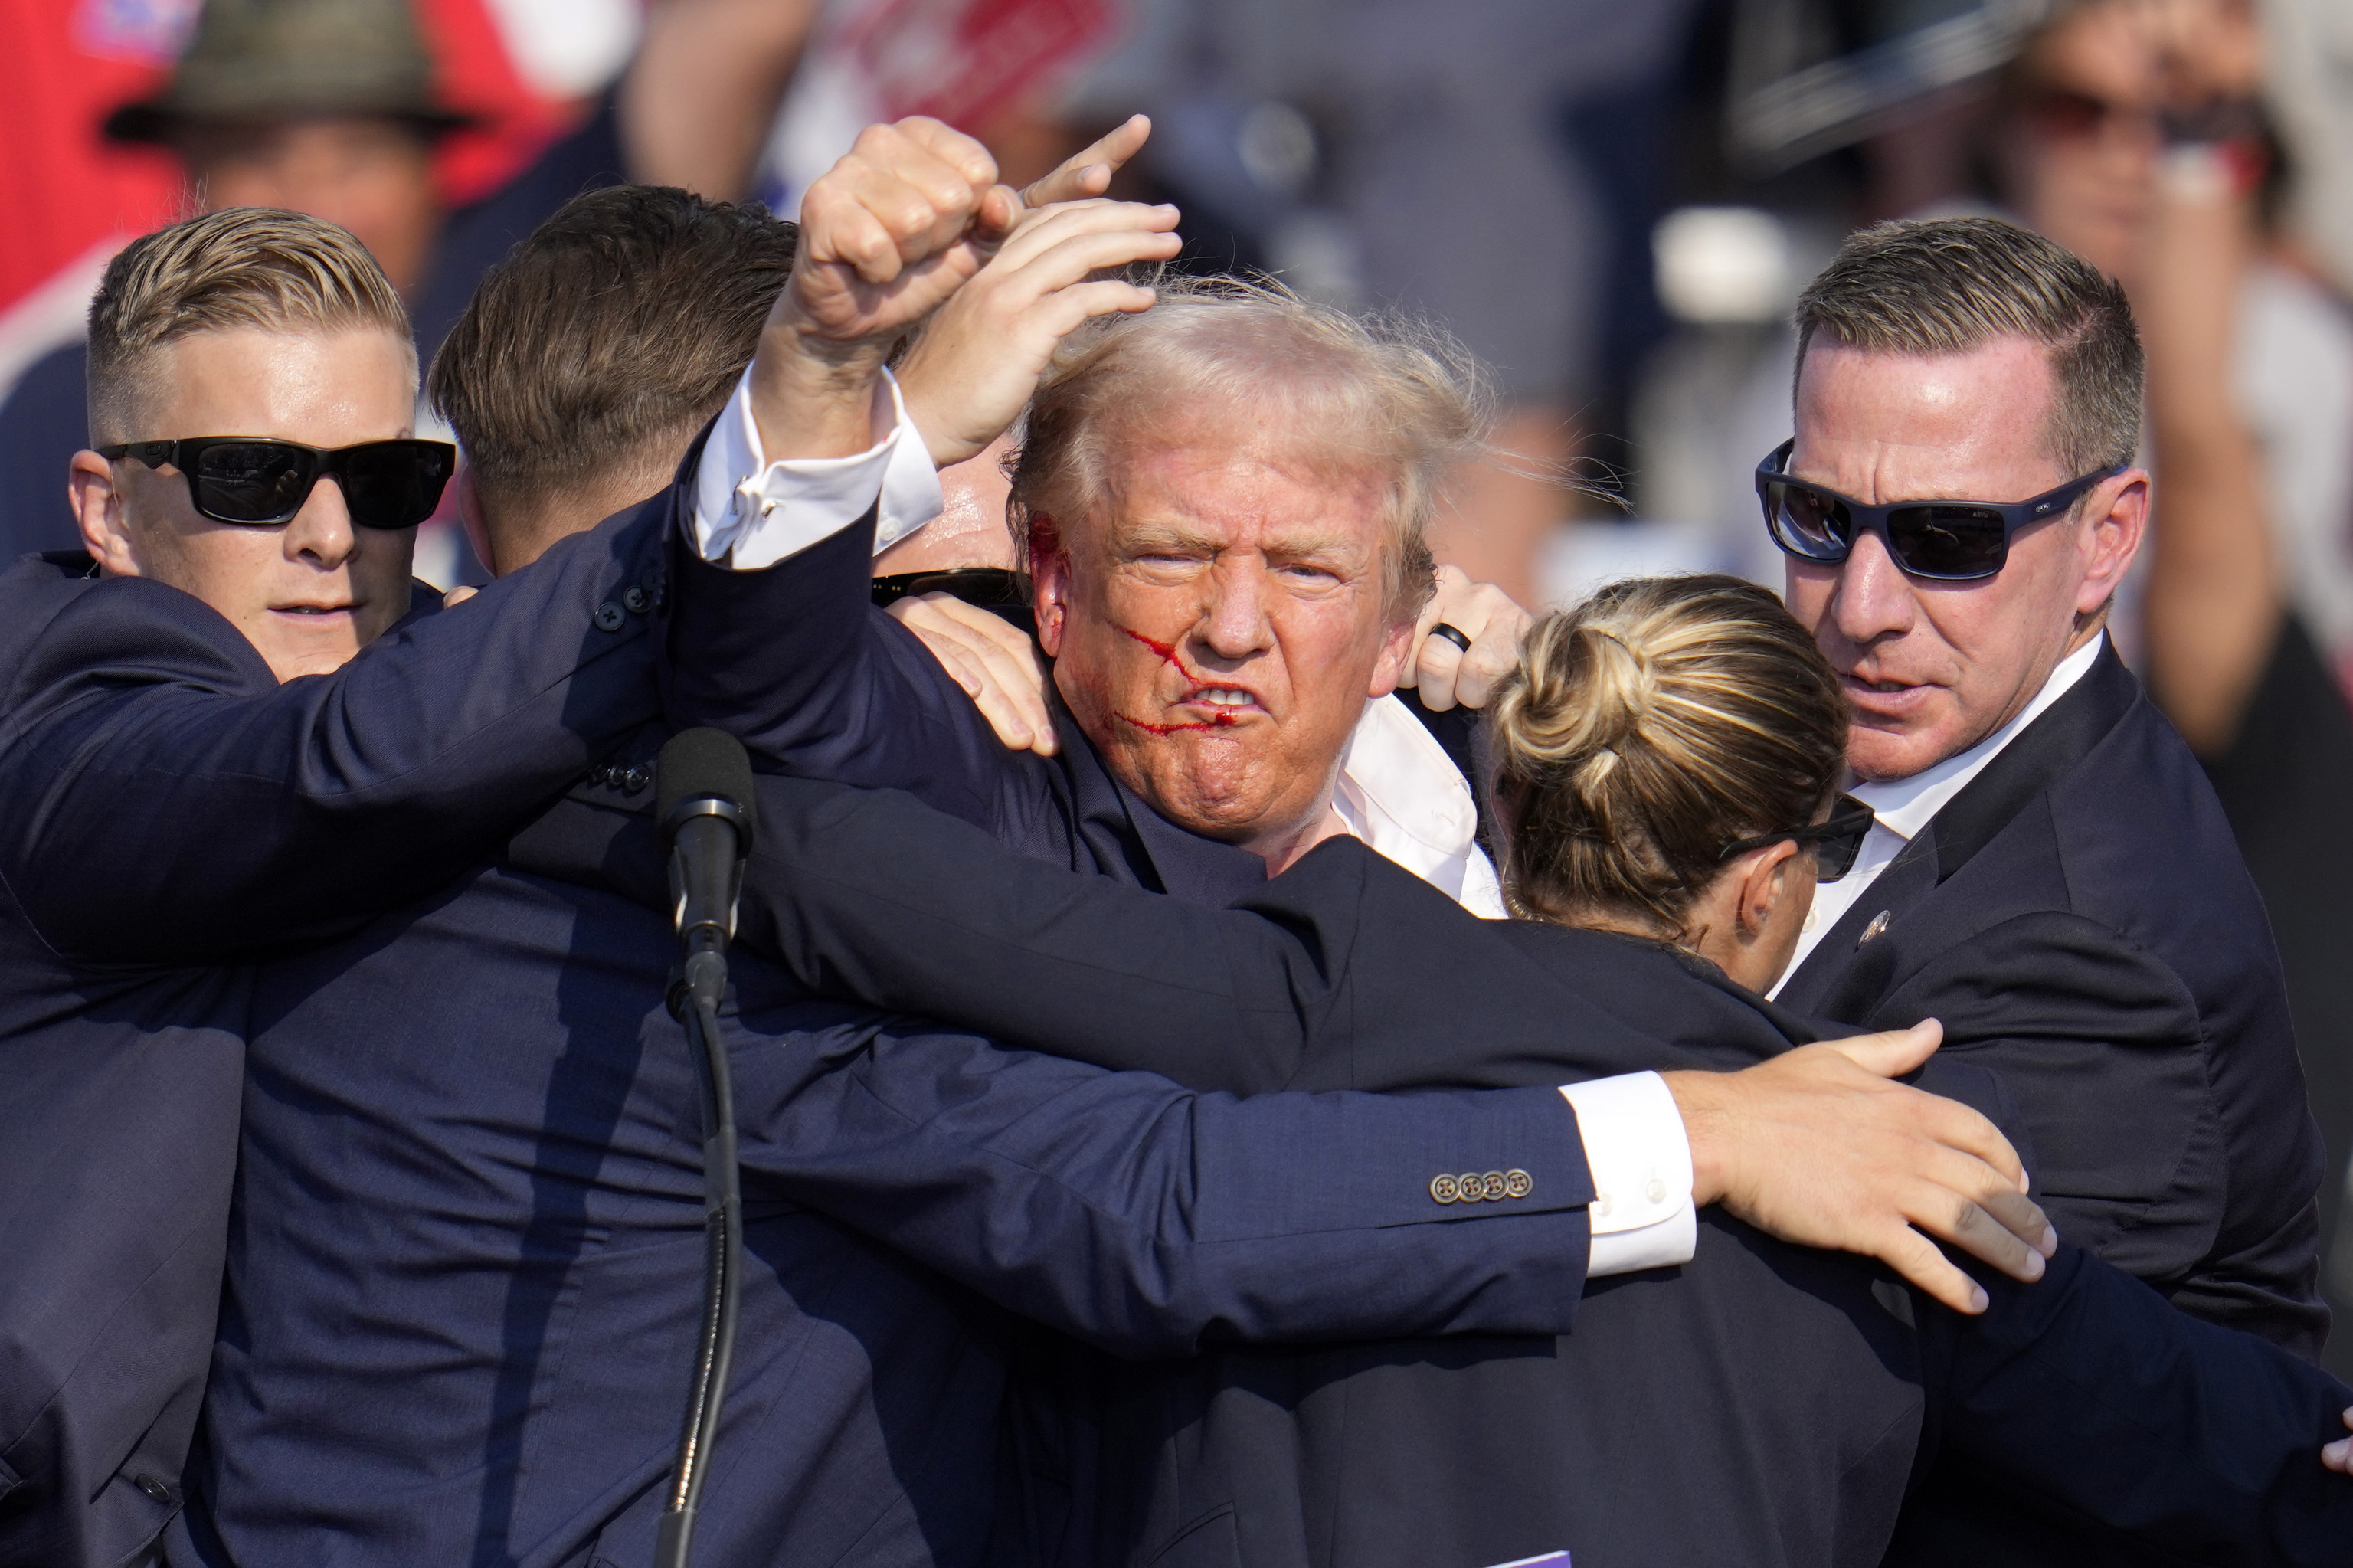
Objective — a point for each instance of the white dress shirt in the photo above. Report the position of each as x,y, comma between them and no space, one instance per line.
1397,788
1903,807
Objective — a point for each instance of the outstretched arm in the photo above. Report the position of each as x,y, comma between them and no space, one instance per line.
897,228
2091,1391
1151,1220
171,802
870,895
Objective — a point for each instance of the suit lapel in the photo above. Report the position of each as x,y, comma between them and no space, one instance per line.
2042,754
1845,954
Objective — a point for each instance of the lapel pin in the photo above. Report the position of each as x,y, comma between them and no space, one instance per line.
1878,924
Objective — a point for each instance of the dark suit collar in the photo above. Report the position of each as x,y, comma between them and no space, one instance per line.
1797,1030
2037,757
70,562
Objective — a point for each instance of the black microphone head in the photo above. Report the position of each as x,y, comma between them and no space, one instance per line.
703,764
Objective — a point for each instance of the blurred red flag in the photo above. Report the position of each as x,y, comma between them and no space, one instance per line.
962,60
68,198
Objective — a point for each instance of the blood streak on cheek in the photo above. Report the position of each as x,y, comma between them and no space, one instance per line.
1167,651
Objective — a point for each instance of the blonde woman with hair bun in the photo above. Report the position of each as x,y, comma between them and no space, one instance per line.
1666,762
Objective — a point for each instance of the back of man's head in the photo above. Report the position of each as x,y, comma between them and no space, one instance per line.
1951,285
241,267
588,358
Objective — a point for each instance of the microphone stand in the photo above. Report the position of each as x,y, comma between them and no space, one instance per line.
694,997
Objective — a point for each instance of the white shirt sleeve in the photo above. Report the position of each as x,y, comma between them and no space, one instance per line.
750,512
1640,1160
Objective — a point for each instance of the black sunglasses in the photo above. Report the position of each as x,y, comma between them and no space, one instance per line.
1951,541
1836,841
257,482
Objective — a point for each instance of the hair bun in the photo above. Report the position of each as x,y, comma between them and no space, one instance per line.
1648,728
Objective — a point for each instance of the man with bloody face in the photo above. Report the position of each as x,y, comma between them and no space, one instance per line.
1222,491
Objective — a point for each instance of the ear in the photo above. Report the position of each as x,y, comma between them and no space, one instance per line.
99,506
469,514
1397,646
1049,583
2116,520
1765,886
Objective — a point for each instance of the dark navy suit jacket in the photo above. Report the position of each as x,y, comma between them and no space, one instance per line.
1763,1404
169,803
2080,918
855,700
1758,1407
465,1261
456,1317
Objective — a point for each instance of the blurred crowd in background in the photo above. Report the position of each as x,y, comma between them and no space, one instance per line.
1613,205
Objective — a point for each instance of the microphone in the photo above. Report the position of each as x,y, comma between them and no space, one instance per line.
702,785
704,801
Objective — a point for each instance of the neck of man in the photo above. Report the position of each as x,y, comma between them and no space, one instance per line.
519,535
1283,850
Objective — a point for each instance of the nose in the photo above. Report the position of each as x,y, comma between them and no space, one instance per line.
322,532
1874,598
1234,625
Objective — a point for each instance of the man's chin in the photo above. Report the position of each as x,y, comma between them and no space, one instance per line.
1879,752
292,648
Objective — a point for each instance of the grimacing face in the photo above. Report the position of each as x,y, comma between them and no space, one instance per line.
1932,668
308,594
1218,628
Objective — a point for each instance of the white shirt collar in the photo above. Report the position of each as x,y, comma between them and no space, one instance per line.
1905,806
1400,793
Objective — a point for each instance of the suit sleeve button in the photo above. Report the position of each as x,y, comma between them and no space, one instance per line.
1445,1188
1518,1183
1491,1186
608,617
635,601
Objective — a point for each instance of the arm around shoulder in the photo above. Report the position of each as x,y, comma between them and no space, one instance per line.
173,803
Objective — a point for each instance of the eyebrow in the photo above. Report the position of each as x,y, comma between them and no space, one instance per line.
1144,538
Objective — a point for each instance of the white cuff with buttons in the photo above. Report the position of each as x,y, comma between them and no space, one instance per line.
750,512
1639,1157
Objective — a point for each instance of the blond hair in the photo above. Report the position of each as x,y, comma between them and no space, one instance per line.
240,267
1646,729
1385,394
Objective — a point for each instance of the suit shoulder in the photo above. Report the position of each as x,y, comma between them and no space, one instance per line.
2052,974
2144,849
123,624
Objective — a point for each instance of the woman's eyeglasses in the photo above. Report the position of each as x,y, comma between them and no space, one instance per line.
257,482
1836,840
1950,540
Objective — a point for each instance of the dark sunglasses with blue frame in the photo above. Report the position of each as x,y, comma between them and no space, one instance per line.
255,482
1950,540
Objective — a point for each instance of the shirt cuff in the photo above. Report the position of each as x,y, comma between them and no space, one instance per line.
750,512
1639,1156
